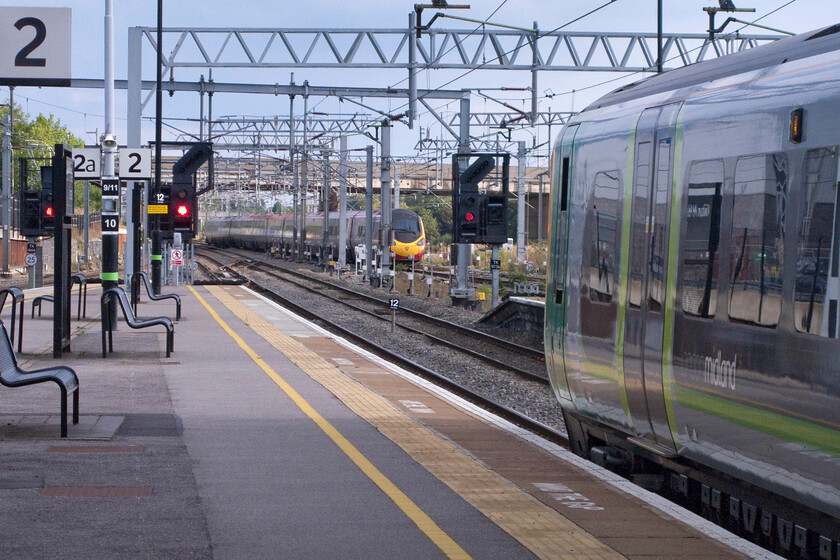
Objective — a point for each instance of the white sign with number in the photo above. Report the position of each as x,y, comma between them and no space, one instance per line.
35,46
135,163
30,259
87,163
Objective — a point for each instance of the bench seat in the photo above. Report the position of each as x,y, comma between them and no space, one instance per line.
141,275
122,298
12,376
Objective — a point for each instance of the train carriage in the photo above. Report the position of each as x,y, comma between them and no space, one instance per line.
692,315
276,232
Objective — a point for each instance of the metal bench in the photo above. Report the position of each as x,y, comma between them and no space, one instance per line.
37,303
12,376
81,308
17,302
82,281
119,294
148,283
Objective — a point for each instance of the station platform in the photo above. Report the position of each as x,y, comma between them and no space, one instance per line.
263,436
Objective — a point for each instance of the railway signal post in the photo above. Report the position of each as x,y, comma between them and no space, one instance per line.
479,214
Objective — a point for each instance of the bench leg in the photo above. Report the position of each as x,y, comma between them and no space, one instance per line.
14,317
20,329
103,323
63,412
106,323
76,405
168,342
177,310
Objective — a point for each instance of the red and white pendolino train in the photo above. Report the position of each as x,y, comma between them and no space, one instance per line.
275,231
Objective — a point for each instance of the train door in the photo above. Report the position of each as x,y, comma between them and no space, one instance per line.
646,274
562,196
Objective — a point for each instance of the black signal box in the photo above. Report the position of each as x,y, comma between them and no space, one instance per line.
30,213
479,212
494,219
182,209
47,211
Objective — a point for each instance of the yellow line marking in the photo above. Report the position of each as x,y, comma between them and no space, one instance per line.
544,531
443,541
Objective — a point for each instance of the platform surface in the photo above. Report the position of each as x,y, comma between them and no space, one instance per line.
262,436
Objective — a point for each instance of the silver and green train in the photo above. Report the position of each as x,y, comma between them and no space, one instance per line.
693,307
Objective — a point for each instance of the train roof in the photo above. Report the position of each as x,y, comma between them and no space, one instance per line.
779,52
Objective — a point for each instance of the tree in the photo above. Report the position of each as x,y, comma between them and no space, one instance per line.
35,139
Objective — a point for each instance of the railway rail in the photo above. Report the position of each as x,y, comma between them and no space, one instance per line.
499,351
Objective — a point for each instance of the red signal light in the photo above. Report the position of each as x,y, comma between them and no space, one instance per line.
469,216
49,212
182,210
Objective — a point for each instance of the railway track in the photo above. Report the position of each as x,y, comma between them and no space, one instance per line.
263,279
528,362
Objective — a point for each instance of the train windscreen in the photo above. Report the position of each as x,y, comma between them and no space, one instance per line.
406,227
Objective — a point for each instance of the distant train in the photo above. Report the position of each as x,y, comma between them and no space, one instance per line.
693,308
275,232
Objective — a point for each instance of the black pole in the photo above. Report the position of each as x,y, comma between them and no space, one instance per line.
156,253
157,260
136,198
659,36
62,199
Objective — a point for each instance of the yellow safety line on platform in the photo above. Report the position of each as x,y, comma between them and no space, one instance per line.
544,531
443,541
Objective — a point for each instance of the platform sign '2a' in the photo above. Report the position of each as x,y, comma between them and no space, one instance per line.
35,46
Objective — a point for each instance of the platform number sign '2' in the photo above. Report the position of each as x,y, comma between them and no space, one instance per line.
135,163
35,46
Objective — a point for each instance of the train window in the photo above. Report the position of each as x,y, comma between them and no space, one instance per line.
700,256
814,247
603,217
639,223
658,236
406,224
758,225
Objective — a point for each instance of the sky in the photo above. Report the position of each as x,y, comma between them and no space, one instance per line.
81,110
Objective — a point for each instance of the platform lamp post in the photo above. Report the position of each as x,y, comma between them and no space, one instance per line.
110,198
156,255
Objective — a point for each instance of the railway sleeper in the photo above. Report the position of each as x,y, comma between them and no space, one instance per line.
770,521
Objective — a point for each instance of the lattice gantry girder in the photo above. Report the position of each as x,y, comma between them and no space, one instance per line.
279,125
256,133
439,49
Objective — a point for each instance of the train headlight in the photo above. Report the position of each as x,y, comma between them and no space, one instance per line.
421,242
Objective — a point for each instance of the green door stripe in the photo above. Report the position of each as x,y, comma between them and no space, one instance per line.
671,280
624,274
763,421
562,312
